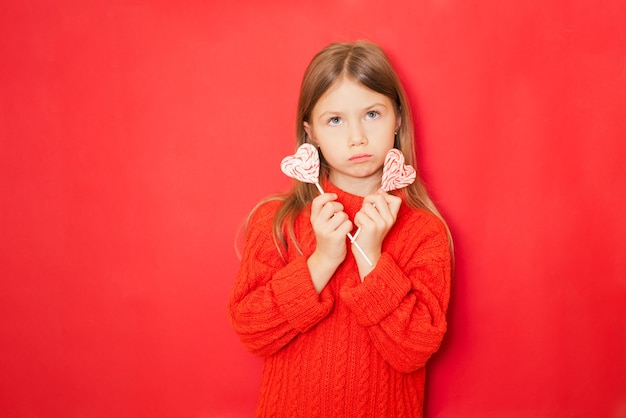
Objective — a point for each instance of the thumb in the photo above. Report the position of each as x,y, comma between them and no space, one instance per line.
394,202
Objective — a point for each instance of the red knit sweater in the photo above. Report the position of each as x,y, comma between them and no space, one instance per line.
358,349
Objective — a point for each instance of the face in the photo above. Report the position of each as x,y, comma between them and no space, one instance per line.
354,128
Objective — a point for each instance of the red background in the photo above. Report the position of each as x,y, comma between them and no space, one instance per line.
136,135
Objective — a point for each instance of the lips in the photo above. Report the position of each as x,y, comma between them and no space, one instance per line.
360,158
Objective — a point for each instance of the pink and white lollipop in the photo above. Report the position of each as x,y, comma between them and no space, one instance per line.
396,174
304,166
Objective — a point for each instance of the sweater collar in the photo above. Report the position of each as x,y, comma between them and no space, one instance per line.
351,202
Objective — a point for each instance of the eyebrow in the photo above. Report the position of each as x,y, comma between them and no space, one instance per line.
330,112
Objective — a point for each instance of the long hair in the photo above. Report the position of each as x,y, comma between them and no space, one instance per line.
365,63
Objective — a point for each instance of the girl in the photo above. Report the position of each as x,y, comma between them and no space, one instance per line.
340,337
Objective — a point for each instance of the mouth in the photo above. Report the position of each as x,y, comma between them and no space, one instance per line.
358,158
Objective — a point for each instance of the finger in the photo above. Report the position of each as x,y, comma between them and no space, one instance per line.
335,229
337,220
362,220
344,228
393,202
377,208
329,209
376,205
319,202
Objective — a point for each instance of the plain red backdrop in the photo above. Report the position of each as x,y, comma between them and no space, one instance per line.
135,136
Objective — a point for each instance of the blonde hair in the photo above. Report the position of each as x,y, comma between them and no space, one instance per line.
365,63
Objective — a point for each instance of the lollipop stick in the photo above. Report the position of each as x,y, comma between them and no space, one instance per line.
352,238
358,247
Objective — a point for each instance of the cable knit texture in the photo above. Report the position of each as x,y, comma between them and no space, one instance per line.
358,349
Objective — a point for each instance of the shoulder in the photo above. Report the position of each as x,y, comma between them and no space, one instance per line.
266,209
260,218
258,227
418,219
421,229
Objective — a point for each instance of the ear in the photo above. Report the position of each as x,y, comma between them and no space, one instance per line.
309,132
398,122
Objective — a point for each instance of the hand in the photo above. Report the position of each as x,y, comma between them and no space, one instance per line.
330,225
376,217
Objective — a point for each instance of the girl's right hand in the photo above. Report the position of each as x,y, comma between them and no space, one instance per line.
330,225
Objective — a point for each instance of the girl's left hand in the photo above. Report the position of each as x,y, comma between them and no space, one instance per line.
376,217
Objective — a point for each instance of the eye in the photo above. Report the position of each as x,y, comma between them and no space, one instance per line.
372,114
334,121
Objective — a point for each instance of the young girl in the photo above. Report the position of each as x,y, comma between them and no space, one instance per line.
341,337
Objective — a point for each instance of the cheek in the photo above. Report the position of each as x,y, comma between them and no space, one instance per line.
329,133
383,131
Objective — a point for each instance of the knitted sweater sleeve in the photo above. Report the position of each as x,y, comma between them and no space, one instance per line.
403,301
272,301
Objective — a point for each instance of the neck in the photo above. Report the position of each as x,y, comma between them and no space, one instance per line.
359,187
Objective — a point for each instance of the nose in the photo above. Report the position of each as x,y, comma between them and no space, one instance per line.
357,135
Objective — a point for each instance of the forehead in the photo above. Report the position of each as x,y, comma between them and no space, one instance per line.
346,94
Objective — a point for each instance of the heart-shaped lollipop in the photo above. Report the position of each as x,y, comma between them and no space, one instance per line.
304,165
396,174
